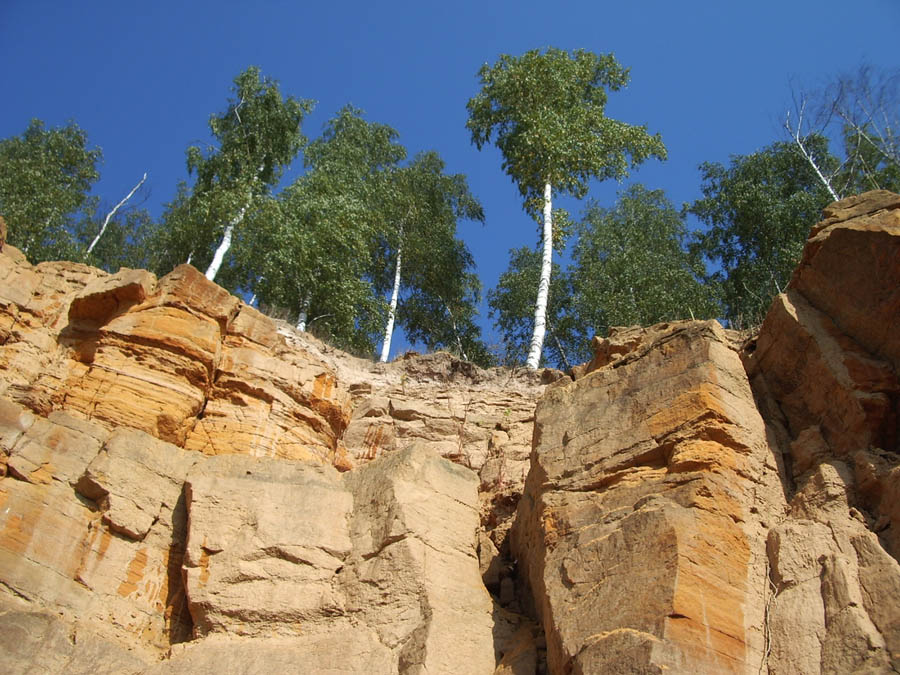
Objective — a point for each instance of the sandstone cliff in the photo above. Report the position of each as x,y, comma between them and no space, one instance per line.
189,486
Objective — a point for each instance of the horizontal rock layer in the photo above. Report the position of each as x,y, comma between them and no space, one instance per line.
189,486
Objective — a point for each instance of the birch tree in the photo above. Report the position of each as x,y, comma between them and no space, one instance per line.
314,258
632,265
511,305
423,205
45,177
545,112
858,113
257,136
758,211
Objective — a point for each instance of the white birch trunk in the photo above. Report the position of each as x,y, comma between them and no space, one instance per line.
540,307
224,245
795,134
459,344
304,313
112,213
389,329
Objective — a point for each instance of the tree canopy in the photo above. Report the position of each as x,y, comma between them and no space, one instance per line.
545,111
758,211
419,261
256,136
365,239
45,177
631,265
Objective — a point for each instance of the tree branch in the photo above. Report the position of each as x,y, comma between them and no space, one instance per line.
113,212
796,136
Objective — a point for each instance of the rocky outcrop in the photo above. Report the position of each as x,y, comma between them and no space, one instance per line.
189,486
126,536
641,533
178,358
825,369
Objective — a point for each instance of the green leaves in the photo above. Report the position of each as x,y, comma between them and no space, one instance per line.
631,266
439,290
545,112
258,135
512,307
45,175
758,211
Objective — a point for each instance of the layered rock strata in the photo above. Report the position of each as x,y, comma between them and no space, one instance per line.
641,533
189,486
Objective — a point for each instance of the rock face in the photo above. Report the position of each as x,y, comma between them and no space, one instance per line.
180,359
187,486
834,405
642,528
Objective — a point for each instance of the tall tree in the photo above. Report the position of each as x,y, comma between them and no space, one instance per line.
423,205
45,177
758,212
631,265
512,308
546,113
258,135
314,257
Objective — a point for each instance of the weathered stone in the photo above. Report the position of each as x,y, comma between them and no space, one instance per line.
267,540
39,642
826,363
850,271
109,296
353,650
638,531
56,448
665,525
414,575
135,480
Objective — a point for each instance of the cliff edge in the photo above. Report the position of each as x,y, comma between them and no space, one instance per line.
189,486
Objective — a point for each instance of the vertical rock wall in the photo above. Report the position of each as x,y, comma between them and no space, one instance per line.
186,486
641,532
825,368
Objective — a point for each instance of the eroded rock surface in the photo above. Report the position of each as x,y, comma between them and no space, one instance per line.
187,486
641,533
824,369
178,358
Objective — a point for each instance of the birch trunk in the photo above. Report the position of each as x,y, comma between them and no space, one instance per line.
459,344
389,329
540,307
112,213
304,313
225,244
795,135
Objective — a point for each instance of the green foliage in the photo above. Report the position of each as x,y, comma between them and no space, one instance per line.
258,135
45,176
546,114
869,165
759,211
631,266
314,254
125,243
439,291
512,307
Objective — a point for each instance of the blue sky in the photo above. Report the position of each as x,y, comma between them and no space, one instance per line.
712,77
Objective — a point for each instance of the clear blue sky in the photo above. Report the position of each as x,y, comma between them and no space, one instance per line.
713,77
